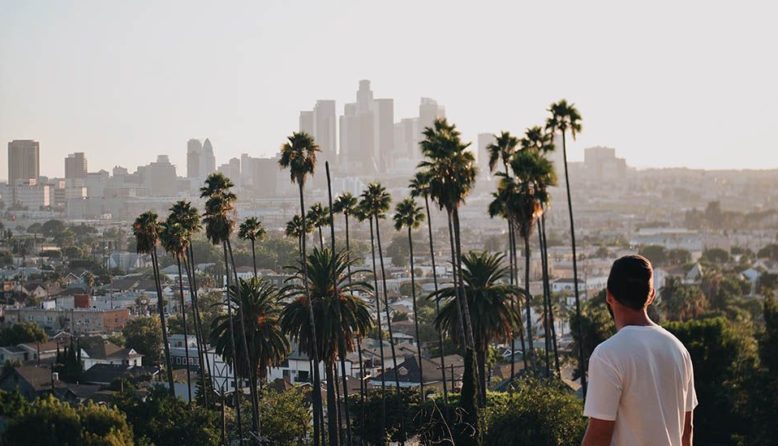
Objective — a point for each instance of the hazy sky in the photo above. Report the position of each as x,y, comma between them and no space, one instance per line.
667,83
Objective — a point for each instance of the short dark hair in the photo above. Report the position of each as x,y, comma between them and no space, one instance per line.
630,281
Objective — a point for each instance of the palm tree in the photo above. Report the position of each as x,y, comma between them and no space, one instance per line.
502,149
409,215
146,231
494,318
251,229
565,117
419,187
174,240
261,302
219,224
319,217
188,218
294,228
298,154
376,201
540,141
451,170
339,315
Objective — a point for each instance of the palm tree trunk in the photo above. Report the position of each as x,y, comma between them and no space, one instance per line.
481,360
528,306
254,257
546,328
205,366
236,398
341,339
465,305
186,332
316,394
189,268
380,330
359,336
163,321
416,315
255,421
511,262
454,278
332,406
520,327
386,305
550,305
581,361
437,302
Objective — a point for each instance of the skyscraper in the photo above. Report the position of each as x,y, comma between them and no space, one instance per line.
482,157
75,166
208,160
306,122
23,160
194,153
383,133
324,129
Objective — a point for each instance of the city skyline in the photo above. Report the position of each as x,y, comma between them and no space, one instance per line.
697,99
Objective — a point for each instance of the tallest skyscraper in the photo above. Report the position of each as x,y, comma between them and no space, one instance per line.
23,160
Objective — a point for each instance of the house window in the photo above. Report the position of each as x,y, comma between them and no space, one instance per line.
302,376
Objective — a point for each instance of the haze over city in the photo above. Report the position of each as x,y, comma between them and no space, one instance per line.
126,82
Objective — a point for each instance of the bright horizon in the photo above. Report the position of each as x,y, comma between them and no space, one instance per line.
666,84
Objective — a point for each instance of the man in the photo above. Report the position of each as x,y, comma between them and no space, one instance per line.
641,383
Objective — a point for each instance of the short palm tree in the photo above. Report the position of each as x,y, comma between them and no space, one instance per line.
502,149
419,187
489,296
261,304
294,228
298,154
340,315
146,231
566,118
252,230
320,217
409,215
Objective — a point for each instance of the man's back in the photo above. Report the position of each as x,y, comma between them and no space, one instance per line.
642,378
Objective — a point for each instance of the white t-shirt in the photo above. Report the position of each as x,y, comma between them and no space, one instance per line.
642,378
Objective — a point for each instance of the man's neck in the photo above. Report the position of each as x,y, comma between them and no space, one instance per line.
639,318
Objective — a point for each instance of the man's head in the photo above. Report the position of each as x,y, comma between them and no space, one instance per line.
631,283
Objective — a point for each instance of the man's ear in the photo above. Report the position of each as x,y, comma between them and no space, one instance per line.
651,297
609,297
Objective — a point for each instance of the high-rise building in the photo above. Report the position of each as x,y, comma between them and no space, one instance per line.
23,160
306,122
482,157
159,177
75,165
324,129
429,111
208,160
231,170
194,153
383,133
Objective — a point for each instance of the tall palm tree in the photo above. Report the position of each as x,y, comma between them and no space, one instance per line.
346,204
251,229
219,224
409,215
540,141
338,313
566,118
319,217
146,231
188,218
451,170
502,149
376,201
507,203
494,318
174,240
419,187
298,154
261,301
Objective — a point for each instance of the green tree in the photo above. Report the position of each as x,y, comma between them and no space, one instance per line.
21,333
298,154
715,256
319,216
144,334
252,230
769,252
680,302
593,326
566,118
656,254
52,227
285,416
